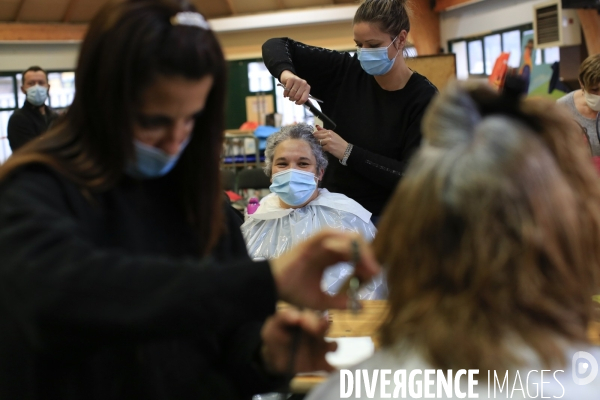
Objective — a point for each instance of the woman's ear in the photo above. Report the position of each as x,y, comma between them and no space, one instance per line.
320,174
581,85
401,41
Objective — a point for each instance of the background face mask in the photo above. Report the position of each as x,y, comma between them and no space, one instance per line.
294,187
376,61
37,95
151,162
592,100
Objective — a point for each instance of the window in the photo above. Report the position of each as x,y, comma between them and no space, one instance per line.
476,56
493,47
259,78
462,63
511,43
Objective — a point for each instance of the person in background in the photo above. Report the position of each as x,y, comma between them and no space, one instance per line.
376,101
124,275
34,118
495,262
584,104
297,208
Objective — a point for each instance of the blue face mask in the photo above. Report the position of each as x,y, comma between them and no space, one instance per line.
376,61
151,162
37,95
294,187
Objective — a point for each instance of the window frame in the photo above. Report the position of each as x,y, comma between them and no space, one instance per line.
468,39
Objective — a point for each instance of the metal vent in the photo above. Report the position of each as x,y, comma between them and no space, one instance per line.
548,24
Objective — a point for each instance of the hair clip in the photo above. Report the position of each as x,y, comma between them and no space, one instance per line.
189,18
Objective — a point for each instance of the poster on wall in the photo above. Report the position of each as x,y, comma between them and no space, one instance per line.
536,73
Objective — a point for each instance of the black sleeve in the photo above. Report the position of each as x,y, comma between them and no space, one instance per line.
320,67
386,171
19,131
61,289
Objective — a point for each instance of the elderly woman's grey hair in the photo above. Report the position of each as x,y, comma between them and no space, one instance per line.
299,132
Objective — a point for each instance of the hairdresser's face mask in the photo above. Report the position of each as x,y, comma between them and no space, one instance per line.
376,61
294,187
592,100
37,95
151,162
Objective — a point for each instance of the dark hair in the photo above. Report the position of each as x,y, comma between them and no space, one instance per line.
33,68
390,15
127,46
500,212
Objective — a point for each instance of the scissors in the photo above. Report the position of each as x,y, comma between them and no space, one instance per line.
311,107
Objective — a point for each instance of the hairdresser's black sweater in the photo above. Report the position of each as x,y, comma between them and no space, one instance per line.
384,126
105,298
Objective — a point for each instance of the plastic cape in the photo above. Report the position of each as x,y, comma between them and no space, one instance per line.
272,230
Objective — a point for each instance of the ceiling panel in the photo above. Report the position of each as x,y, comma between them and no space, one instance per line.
213,8
43,10
306,3
8,9
84,10
255,6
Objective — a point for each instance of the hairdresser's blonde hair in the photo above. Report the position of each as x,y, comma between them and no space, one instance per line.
589,71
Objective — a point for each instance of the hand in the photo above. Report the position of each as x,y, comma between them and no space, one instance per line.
278,336
298,272
331,142
296,88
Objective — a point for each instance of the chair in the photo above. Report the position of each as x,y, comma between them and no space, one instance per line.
228,179
252,178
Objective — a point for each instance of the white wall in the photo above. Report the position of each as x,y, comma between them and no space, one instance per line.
20,56
485,16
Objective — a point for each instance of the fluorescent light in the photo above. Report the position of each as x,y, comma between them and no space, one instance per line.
284,18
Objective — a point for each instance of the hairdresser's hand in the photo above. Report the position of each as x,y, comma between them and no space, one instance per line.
298,272
296,88
331,142
279,342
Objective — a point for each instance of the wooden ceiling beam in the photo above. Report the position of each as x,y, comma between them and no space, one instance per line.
42,32
69,10
590,23
231,7
280,5
442,5
19,10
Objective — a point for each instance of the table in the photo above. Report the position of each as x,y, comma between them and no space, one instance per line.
366,323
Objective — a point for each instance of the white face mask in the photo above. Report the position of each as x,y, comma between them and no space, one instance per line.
592,100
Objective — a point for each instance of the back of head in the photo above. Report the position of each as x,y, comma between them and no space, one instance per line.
390,15
499,216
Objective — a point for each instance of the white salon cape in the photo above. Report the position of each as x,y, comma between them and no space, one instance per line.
272,230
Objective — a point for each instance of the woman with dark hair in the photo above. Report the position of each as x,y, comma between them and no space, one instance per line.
376,101
124,276
494,266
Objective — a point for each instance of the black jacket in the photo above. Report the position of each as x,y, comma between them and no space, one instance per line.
27,123
105,298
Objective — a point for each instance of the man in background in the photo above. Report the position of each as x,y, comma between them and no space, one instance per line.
34,118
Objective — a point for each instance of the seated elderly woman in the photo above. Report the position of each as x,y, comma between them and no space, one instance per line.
495,262
297,208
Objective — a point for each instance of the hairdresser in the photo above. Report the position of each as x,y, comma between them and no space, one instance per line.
376,101
123,275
